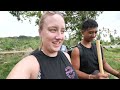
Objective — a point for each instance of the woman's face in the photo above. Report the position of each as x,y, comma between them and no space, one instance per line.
52,33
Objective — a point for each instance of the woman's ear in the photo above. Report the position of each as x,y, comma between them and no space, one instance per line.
39,32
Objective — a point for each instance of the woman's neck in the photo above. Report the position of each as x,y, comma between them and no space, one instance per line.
49,53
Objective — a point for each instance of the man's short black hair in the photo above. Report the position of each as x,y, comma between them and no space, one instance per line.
89,23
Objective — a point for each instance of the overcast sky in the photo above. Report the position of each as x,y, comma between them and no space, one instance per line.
9,25
111,20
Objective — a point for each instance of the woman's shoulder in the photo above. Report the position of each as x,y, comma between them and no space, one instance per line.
26,68
30,61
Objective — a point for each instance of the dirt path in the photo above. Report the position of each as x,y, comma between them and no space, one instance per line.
13,52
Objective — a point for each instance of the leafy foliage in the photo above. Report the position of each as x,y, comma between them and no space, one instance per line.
8,61
23,15
73,20
19,43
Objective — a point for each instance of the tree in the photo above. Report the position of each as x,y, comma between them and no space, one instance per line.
73,20
112,38
23,15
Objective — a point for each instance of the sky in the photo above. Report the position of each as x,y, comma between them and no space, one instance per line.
10,26
110,20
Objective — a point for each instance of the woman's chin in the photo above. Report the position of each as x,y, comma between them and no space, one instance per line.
56,49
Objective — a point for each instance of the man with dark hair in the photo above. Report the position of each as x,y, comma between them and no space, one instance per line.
84,57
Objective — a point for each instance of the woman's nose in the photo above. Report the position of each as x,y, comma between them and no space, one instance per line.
59,35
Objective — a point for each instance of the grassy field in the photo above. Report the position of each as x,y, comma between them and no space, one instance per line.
113,58
7,44
22,43
8,61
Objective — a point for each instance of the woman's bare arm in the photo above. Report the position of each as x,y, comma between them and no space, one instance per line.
27,68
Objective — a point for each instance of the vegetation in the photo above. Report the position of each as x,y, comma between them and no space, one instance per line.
19,43
73,26
113,57
8,61
73,20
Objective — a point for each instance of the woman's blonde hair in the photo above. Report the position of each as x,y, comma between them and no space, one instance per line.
45,14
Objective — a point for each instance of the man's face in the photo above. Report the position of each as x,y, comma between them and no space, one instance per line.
90,34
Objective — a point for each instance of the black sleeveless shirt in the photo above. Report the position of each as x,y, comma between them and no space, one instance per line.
89,59
57,67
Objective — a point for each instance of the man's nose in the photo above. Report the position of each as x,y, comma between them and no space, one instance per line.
94,35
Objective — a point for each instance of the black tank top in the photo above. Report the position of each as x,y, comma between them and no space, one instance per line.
55,67
89,59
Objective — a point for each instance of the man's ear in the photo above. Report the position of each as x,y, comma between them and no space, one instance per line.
81,31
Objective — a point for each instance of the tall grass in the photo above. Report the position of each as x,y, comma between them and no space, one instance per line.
113,57
7,62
